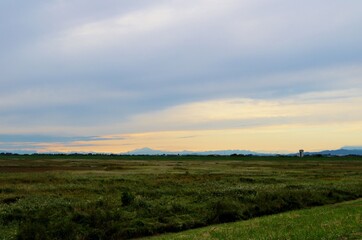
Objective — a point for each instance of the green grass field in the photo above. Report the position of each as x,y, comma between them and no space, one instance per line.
122,197
338,221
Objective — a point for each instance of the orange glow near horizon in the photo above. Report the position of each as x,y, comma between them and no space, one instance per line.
312,122
284,138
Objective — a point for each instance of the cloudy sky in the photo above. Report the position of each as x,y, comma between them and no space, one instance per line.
113,76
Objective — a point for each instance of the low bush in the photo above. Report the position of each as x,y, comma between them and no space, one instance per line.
127,198
226,210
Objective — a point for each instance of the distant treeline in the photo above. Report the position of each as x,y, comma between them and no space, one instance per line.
169,155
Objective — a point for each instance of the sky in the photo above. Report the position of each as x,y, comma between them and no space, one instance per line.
113,76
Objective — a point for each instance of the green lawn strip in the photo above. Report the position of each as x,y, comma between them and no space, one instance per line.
337,221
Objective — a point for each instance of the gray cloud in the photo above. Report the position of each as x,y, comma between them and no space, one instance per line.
31,138
34,143
92,63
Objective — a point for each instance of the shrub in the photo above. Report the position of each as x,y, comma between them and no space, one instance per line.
226,210
32,230
127,198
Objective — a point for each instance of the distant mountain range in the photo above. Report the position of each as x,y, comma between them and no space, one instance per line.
340,152
149,151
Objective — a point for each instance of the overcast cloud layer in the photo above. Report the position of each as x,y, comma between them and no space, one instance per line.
80,70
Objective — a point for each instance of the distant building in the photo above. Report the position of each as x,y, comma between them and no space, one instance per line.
301,153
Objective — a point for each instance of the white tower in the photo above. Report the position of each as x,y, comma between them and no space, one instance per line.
301,153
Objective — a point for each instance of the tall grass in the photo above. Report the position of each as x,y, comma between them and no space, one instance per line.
122,199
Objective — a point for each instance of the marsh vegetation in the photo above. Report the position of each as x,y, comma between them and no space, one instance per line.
122,197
